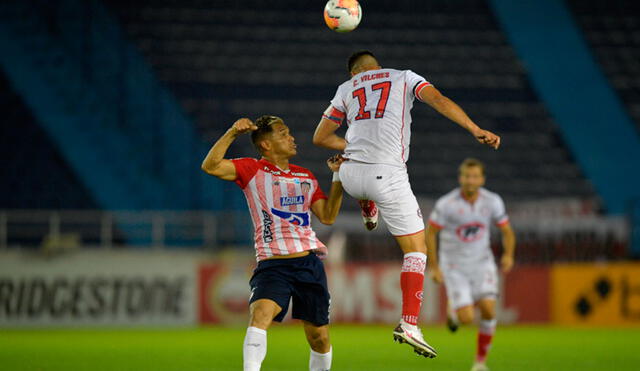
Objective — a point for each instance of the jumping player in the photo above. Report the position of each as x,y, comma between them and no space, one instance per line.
280,196
376,103
463,217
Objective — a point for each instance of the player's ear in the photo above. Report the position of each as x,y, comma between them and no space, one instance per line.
265,145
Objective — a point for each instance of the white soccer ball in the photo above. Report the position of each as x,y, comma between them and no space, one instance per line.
342,15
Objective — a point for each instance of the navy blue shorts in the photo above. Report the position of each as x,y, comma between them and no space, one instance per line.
301,280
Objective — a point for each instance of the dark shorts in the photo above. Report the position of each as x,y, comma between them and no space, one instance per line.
301,280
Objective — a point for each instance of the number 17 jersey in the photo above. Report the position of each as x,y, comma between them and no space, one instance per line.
376,105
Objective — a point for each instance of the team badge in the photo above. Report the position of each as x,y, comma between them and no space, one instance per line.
306,186
470,232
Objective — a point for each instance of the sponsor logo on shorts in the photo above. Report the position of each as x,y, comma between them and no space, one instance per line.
419,213
293,200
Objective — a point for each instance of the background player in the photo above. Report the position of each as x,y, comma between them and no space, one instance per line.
376,103
280,195
463,217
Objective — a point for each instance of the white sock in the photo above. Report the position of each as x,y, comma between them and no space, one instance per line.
487,326
254,348
320,361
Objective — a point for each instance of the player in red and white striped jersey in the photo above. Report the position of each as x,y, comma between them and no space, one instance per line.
280,197
463,219
376,105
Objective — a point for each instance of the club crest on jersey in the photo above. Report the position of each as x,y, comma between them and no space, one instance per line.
301,219
306,186
470,232
293,200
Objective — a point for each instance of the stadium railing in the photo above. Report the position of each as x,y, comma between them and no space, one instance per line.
547,231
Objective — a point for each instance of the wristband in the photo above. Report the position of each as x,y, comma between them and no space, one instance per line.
336,177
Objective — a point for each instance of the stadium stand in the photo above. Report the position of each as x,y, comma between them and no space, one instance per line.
612,30
224,61
37,175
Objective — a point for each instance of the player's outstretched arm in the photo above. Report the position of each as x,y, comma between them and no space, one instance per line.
327,210
215,164
433,269
453,112
508,246
325,136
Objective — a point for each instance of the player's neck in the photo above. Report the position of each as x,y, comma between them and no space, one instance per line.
470,197
281,163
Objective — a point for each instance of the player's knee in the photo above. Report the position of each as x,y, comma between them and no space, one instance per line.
488,314
465,317
261,317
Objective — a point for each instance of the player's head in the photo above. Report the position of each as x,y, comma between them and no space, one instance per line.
362,60
471,175
272,137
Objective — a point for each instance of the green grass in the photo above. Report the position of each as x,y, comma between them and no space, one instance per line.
355,348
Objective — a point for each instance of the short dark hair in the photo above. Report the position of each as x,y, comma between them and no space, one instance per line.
471,162
355,56
264,124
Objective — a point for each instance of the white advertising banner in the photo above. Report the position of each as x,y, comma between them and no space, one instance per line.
98,288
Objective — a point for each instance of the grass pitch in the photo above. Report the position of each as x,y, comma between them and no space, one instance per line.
355,348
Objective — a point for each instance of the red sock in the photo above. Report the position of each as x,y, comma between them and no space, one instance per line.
411,283
485,335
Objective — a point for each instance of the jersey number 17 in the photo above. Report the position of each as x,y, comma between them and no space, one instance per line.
361,95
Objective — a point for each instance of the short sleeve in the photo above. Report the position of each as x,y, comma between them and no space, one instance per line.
338,100
499,214
336,112
417,83
437,217
246,168
317,193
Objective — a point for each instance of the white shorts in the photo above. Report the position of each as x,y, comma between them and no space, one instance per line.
388,186
467,284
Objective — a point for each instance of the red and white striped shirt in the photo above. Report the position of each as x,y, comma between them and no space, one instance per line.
280,204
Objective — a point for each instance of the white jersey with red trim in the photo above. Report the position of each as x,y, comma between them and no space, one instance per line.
280,204
377,107
465,226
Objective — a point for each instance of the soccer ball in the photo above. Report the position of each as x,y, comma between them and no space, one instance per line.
342,15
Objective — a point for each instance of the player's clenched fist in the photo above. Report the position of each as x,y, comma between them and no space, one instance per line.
335,161
243,125
488,138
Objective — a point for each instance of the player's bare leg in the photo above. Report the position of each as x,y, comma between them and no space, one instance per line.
369,214
261,315
321,352
452,318
465,314
487,328
412,282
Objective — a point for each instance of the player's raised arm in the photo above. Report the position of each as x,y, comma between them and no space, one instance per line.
214,163
508,246
325,135
327,210
453,112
